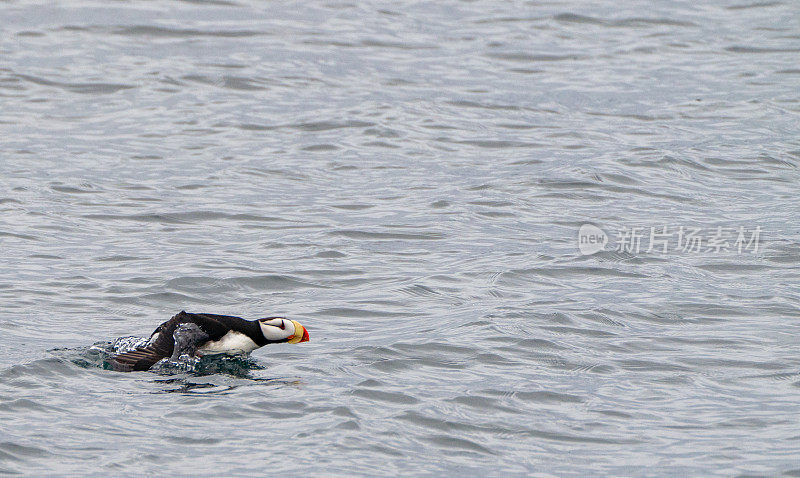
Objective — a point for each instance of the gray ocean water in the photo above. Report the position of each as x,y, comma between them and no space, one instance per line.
408,180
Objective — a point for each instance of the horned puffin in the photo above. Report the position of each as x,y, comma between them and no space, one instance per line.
208,334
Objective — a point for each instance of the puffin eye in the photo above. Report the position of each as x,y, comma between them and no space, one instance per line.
274,322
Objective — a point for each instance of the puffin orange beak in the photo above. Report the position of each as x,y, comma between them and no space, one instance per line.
298,337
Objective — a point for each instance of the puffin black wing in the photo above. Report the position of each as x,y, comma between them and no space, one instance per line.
137,360
181,334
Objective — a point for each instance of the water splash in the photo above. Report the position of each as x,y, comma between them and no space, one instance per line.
99,355
127,344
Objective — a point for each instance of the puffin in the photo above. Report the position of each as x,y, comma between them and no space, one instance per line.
208,334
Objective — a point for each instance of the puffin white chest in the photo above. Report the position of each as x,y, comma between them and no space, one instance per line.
231,343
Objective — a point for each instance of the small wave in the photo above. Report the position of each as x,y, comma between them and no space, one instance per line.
83,88
158,31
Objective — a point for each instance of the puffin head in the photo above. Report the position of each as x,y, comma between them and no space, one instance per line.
278,330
